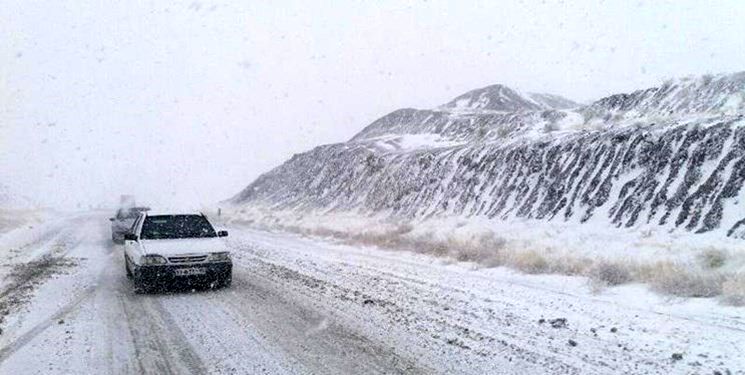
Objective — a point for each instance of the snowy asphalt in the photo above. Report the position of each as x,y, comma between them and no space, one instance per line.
300,305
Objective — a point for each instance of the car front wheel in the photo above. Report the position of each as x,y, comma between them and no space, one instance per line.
224,281
139,283
127,270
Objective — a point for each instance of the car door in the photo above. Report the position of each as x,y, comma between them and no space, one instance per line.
133,249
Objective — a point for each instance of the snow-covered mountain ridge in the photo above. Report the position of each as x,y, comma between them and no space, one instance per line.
500,98
672,155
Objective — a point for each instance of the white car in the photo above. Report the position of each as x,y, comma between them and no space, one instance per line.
168,248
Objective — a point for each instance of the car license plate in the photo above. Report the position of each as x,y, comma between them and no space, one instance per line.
190,271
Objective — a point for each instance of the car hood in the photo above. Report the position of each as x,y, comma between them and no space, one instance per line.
184,246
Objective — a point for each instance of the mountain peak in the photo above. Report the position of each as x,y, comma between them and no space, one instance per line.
501,98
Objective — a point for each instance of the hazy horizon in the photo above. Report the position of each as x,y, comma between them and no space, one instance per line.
185,104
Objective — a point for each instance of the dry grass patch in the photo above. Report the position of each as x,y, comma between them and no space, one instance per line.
678,280
712,258
485,249
529,261
605,274
705,278
569,265
733,290
424,245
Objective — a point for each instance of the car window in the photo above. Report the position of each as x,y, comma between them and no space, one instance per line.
133,228
176,226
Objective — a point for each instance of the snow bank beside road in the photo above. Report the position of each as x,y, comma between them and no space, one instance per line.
11,219
678,264
458,319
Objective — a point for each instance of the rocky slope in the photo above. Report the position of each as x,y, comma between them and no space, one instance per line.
672,155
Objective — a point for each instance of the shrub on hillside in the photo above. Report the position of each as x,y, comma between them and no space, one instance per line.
606,273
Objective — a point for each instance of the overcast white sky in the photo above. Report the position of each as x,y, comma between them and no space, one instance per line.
187,103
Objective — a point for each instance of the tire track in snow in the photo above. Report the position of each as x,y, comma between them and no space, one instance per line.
405,320
157,344
27,337
309,334
160,347
57,243
225,338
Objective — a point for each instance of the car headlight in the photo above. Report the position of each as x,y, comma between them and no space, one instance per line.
219,257
151,259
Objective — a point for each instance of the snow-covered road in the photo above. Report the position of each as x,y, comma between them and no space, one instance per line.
300,305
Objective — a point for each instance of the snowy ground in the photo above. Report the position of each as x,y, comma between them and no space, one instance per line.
594,239
300,305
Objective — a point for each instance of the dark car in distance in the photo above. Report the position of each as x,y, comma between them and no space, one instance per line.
122,222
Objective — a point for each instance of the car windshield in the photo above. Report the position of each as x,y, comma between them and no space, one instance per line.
176,226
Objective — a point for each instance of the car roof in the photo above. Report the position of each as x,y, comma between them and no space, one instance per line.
172,212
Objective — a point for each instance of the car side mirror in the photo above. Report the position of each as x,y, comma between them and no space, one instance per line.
222,233
111,219
130,237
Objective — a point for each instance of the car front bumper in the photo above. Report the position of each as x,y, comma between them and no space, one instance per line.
168,273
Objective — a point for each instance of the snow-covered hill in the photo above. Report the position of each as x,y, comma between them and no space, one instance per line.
672,155
501,98
8,200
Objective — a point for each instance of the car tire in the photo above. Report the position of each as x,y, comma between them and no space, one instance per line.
127,270
140,287
226,281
